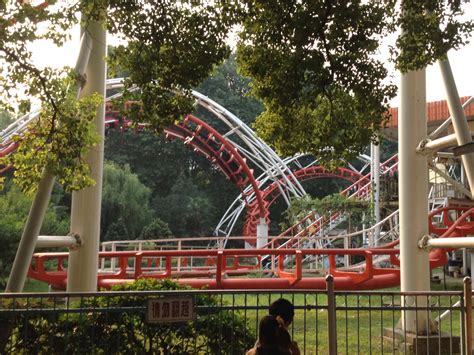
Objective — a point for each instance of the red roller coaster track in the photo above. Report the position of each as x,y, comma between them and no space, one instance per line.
223,267
272,192
207,141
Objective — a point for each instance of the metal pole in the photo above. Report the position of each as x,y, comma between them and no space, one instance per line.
447,243
86,204
438,144
376,188
468,315
25,251
446,123
461,128
54,241
332,328
413,198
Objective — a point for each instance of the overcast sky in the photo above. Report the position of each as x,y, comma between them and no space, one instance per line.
462,63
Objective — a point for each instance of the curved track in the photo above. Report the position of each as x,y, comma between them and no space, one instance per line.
288,265
229,268
272,192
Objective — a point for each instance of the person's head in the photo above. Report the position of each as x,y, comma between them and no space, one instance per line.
268,331
284,309
271,340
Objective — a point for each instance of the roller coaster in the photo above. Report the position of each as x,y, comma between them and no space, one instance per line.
300,256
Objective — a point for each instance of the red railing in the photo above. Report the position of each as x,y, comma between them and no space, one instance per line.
222,268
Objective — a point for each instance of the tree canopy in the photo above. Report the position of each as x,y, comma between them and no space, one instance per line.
125,204
311,63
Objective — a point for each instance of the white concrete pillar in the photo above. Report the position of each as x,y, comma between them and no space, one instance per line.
86,204
413,197
262,233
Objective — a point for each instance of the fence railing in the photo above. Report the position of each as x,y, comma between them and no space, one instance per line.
226,322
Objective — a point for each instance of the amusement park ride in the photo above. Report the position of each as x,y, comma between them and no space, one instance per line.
303,255
299,257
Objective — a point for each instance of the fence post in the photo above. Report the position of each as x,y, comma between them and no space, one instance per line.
332,334
468,315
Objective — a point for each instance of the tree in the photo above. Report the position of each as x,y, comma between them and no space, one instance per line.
155,160
171,48
312,64
187,210
358,211
125,204
156,230
117,230
170,169
230,89
5,119
14,207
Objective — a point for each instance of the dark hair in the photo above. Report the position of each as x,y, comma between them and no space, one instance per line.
282,308
269,334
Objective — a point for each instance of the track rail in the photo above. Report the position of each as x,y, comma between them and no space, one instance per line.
237,268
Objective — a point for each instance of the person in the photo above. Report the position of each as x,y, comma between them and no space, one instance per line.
269,332
284,312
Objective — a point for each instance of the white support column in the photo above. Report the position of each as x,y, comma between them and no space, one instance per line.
262,233
40,203
32,228
86,204
413,197
461,128
376,188
471,252
347,258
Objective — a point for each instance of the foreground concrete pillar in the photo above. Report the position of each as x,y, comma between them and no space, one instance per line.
83,263
413,195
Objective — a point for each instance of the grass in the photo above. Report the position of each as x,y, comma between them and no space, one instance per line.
358,331
35,286
31,285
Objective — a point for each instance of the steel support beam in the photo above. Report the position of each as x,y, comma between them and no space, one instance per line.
55,241
461,128
427,242
25,250
86,204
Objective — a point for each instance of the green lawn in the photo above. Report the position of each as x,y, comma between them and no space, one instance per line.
35,286
358,331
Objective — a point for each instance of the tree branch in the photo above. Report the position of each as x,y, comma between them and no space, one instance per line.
43,82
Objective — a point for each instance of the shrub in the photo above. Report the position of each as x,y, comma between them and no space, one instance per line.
118,325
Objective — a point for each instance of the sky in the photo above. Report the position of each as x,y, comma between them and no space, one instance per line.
462,63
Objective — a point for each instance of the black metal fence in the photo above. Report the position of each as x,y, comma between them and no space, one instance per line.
226,322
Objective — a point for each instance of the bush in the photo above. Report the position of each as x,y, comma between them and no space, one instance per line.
121,327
